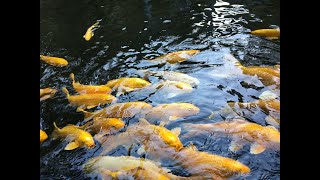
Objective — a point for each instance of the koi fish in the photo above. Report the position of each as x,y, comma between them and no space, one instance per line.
241,132
143,132
76,136
89,89
43,136
268,33
171,75
89,100
123,85
54,61
89,33
118,110
102,124
175,57
170,112
47,93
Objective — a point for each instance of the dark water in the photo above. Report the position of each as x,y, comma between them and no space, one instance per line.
131,30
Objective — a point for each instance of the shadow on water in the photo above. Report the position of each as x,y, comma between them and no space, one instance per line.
132,30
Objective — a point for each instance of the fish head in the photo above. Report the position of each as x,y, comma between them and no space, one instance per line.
171,139
272,134
193,52
87,139
116,123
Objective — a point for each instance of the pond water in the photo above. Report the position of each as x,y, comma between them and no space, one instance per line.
132,30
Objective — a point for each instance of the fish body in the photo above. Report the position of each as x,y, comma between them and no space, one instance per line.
127,165
265,105
107,125
175,57
119,110
46,93
89,100
172,76
171,89
173,111
267,75
241,132
144,133
54,61
268,33
75,135
89,89
123,85
89,33
43,136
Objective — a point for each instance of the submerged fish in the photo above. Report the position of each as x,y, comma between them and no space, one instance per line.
175,57
119,110
265,105
123,85
89,89
241,132
170,112
172,76
125,166
76,136
267,75
89,33
200,165
47,93
43,136
54,61
268,33
89,100
104,125
171,89
143,133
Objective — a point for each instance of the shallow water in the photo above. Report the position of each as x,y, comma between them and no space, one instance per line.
132,30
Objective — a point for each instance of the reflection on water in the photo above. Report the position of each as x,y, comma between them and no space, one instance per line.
135,29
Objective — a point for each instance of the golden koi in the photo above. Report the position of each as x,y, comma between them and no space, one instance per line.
43,136
201,165
89,100
143,132
123,85
170,112
107,125
89,33
75,135
268,33
175,57
241,132
54,61
266,106
119,165
47,93
267,75
89,89
119,110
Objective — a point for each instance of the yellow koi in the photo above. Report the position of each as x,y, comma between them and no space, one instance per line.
175,57
54,61
89,100
89,89
89,33
43,136
47,93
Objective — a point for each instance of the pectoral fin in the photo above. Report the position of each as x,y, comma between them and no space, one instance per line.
71,146
235,146
257,148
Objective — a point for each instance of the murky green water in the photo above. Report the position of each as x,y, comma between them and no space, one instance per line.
131,30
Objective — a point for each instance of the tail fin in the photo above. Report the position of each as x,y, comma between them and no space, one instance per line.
55,126
65,90
95,25
72,77
86,113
